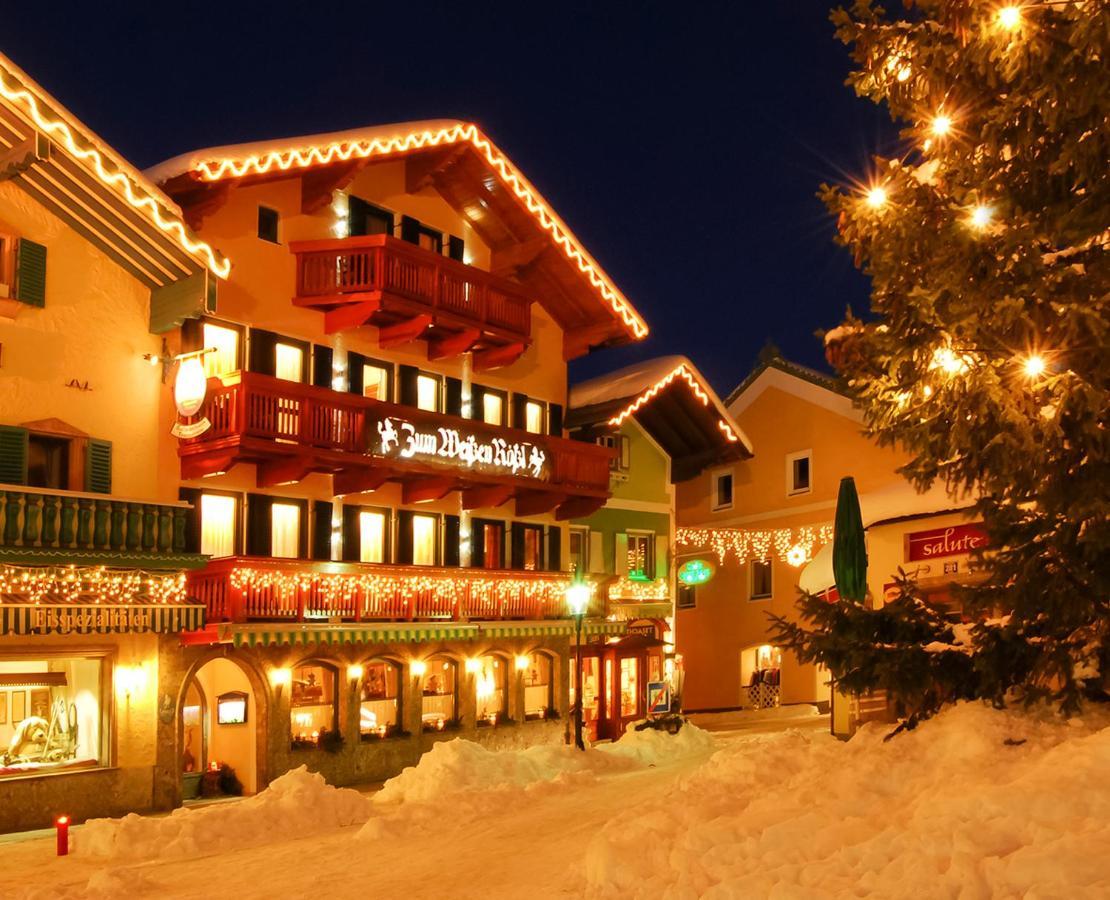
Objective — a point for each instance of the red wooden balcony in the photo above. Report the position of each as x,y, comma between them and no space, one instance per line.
289,430
410,293
243,589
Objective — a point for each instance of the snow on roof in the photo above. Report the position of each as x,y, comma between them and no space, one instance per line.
900,499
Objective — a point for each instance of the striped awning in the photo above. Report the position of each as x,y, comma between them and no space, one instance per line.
269,634
99,618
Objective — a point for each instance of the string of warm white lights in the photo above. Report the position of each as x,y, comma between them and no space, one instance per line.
625,588
71,584
342,151
680,371
218,264
794,546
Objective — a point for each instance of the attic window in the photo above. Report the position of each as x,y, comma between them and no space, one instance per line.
268,224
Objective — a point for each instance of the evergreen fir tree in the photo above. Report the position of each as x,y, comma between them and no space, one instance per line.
987,352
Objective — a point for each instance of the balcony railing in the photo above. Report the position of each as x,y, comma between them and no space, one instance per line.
405,279
243,589
298,428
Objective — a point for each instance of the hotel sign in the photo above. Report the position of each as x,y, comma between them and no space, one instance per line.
955,540
399,438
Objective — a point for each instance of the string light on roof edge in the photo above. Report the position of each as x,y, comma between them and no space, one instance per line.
220,267
681,370
342,151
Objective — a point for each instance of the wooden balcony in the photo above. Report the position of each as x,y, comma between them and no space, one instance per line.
289,430
410,293
244,589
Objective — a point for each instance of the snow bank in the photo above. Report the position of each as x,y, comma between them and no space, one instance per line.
299,802
976,803
652,747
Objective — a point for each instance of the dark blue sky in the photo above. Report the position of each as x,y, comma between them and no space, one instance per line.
683,143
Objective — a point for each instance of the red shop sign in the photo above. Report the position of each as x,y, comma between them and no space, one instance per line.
955,540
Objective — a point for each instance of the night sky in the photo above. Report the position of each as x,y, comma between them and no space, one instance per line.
683,143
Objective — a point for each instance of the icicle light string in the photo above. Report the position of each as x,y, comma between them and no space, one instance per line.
72,584
794,546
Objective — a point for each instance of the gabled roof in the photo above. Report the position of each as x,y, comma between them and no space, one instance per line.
60,162
526,237
773,370
672,401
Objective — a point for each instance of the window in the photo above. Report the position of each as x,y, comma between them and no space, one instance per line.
618,442
268,224
285,530
686,596
227,342
534,417
218,518
424,530
379,709
538,696
427,392
430,240
630,686
289,362
490,548
50,714
7,265
48,461
491,690
313,708
439,694
641,547
761,579
371,536
493,408
527,547
722,490
580,549
375,381
365,218
799,476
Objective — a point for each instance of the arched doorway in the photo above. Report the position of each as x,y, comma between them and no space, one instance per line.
220,724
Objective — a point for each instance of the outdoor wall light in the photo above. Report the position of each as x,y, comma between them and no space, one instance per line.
354,672
418,667
473,665
521,663
280,677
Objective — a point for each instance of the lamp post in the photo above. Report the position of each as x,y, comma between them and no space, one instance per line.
578,598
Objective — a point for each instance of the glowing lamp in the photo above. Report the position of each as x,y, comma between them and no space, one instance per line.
981,216
876,197
796,555
1009,18
578,598
941,125
473,665
190,386
696,571
418,667
281,677
521,663
1034,366
61,825
354,672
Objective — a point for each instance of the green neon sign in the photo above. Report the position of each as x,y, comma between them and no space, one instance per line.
696,571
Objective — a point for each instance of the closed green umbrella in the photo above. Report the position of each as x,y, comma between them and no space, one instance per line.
849,546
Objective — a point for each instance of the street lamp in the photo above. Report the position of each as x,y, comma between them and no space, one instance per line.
578,598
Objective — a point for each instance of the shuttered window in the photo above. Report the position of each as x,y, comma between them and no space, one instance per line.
13,455
30,273
98,466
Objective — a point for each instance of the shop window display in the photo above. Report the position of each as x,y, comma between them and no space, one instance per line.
439,694
630,687
491,689
312,706
537,687
50,714
379,712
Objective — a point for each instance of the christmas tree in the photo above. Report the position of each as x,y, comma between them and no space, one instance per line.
987,355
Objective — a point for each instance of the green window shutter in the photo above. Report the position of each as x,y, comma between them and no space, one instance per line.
620,554
30,273
98,466
13,455
662,569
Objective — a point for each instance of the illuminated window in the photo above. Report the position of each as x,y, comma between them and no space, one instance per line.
225,340
438,706
618,442
580,549
538,687
533,417
761,579
531,548
379,709
641,562
427,393
285,530
424,530
313,707
375,382
217,524
493,409
371,537
492,544
51,711
491,690
630,686
722,490
799,472
289,362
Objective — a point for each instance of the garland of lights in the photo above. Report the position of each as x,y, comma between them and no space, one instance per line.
342,151
680,371
794,546
219,265
73,584
634,589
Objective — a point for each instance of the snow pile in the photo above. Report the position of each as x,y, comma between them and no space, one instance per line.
975,803
652,747
299,802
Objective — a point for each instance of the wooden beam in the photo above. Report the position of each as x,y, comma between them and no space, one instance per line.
497,357
358,481
423,490
421,169
202,465
453,344
579,341
275,472
350,316
534,503
23,155
488,497
579,508
403,332
318,185
508,262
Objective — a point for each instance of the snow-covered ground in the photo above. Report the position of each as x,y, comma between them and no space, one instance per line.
977,803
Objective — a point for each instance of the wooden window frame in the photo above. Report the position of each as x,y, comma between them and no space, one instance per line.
648,574
238,526
583,533
333,669
714,480
398,728
752,595
263,209
792,490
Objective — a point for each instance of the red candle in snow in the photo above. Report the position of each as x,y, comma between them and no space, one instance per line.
62,825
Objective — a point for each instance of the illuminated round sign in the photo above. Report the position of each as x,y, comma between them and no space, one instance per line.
191,386
696,571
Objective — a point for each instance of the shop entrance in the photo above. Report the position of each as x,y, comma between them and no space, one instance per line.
219,728
614,683
761,676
